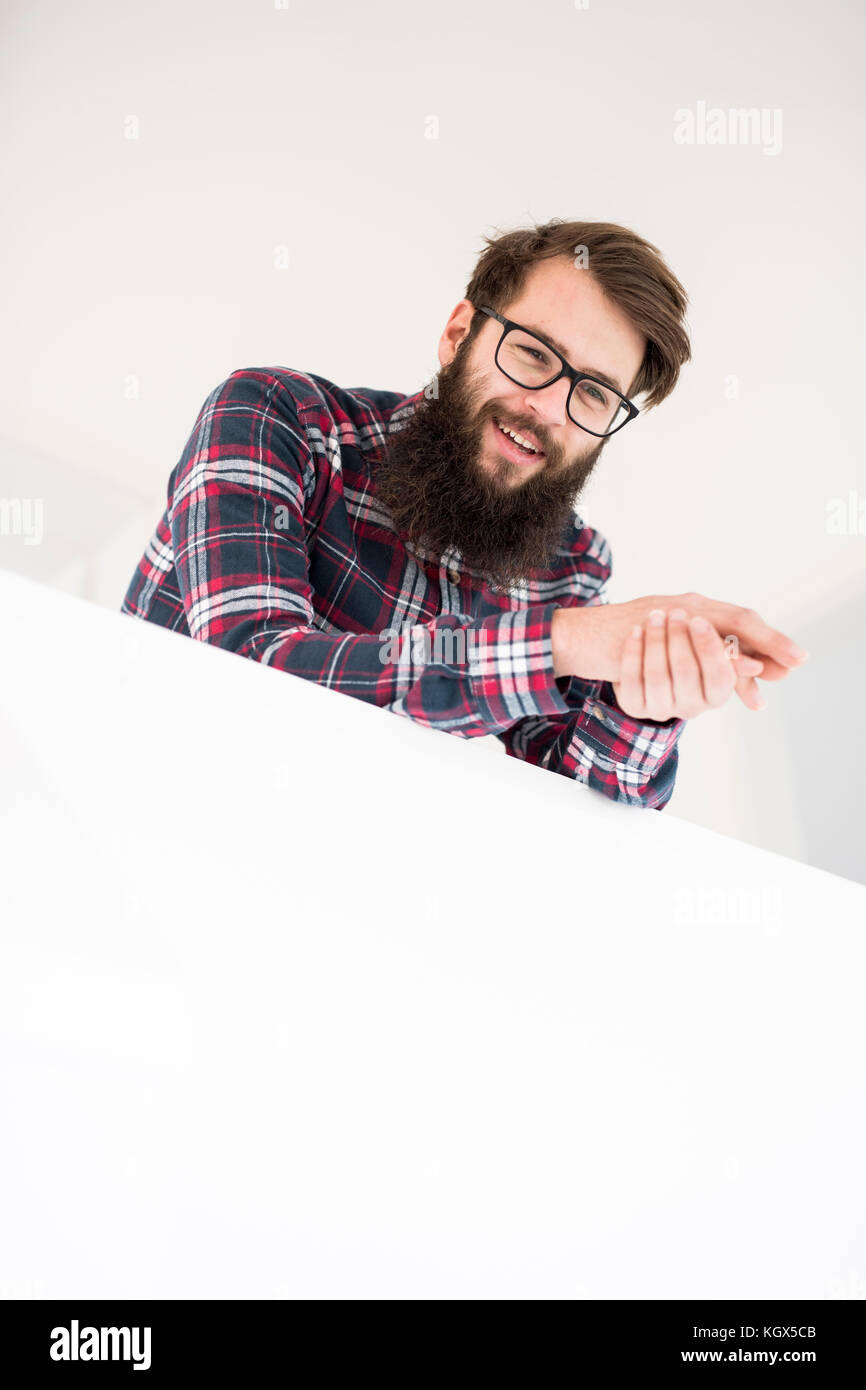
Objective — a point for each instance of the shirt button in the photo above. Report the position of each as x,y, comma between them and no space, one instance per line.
453,575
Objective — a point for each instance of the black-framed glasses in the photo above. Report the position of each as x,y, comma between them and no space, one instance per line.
531,362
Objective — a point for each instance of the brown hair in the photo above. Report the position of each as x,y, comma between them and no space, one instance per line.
629,270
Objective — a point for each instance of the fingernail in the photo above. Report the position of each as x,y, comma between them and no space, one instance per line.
799,653
677,613
699,624
762,704
657,617
636,630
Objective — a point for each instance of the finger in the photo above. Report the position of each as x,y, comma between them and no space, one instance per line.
629,689
685,669
717,674
658,693
746,665
773,671
750,665
749,692
756,638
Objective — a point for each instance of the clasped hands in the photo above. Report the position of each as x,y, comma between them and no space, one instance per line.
673,656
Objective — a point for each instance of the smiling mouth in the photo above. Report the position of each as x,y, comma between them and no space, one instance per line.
522,451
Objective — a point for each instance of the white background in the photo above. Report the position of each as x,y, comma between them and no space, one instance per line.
344,1012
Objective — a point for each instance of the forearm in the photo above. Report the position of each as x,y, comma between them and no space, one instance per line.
561,643
579,644
463,678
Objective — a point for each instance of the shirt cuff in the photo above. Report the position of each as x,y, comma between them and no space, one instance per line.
640,745
511,671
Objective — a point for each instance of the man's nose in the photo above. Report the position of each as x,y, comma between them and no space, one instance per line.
548,404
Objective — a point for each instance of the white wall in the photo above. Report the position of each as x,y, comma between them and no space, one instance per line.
393,1067
149,263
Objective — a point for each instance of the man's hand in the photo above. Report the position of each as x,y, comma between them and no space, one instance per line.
590,641
680,669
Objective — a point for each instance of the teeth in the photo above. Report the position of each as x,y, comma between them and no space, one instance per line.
524,443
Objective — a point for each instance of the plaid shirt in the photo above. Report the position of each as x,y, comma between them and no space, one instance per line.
273,544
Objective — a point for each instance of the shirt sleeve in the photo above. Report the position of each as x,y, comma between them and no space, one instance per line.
593,741
238,504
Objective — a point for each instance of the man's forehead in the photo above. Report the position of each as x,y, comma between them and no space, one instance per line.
559,296
576,318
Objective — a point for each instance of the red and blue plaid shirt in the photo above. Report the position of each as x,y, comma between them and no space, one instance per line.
273,544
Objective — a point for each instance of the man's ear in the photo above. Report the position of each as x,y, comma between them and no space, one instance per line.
456,329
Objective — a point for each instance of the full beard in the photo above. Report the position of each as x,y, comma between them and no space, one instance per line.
439,496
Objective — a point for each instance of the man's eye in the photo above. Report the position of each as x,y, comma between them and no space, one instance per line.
534,352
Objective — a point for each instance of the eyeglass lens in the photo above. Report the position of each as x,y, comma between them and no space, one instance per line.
591,405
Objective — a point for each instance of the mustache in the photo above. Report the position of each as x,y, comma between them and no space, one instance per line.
552,451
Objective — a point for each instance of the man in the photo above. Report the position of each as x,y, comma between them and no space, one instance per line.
316,528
